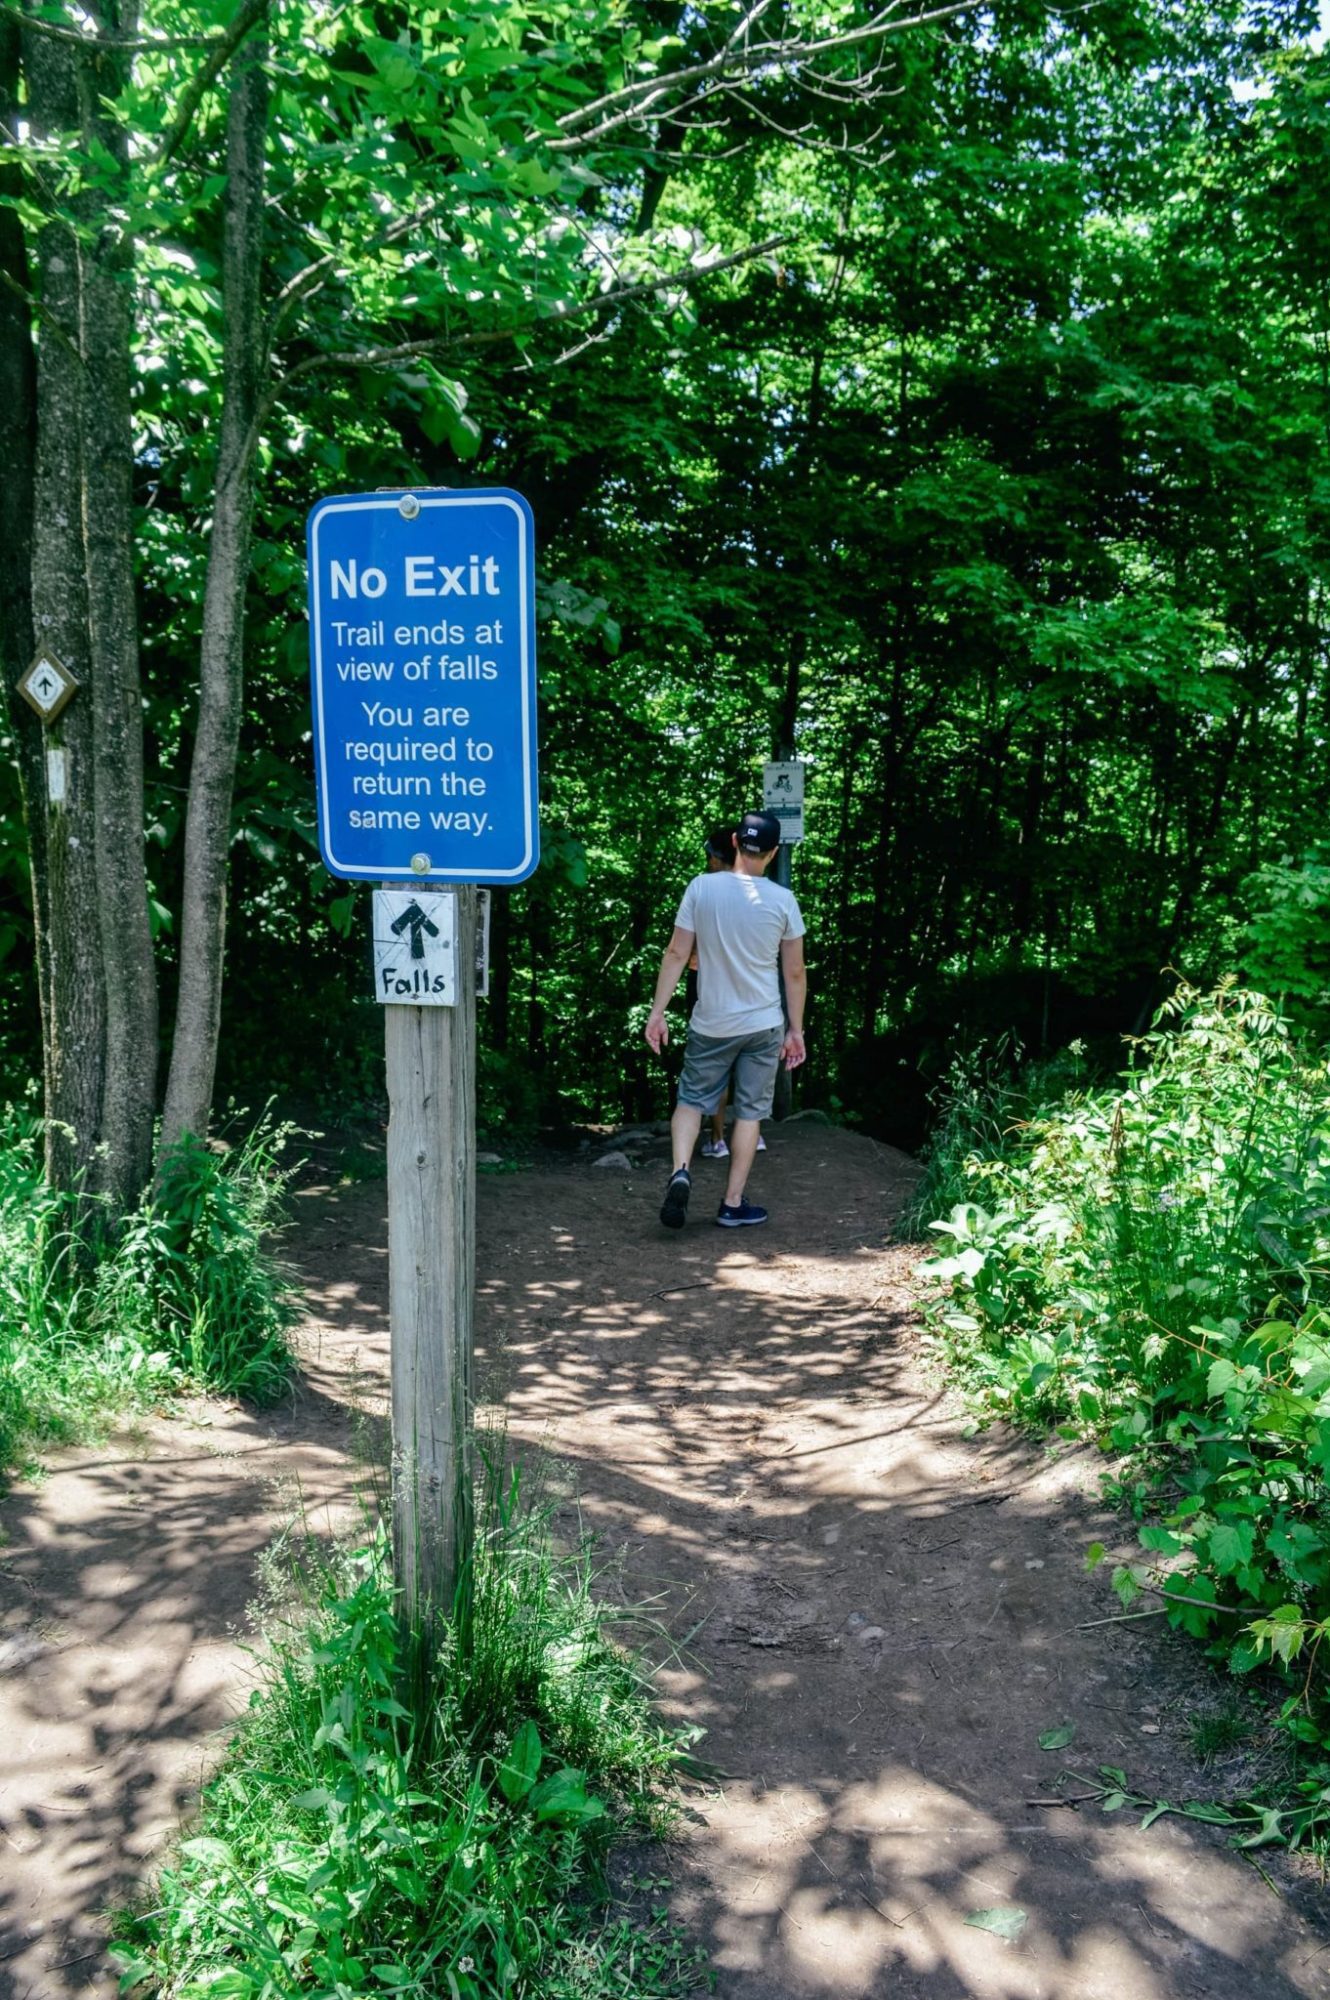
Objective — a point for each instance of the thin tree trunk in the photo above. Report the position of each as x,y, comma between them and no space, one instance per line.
123,1159
221,660
18,447
74,1026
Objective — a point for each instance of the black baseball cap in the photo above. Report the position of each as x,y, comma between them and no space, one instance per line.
759,833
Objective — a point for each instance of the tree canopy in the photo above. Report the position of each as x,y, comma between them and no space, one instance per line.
938,394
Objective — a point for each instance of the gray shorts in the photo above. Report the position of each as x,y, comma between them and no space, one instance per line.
753,1058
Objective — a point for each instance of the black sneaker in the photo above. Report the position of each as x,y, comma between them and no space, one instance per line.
739,1215
674,1208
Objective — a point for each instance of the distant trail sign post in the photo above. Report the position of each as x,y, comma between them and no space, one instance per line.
783,795
423,684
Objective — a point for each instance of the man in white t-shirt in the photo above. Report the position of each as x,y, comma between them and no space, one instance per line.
744,928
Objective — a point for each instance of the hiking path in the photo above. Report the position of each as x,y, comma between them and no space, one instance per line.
871,1609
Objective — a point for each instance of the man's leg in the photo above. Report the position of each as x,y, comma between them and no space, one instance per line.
743,1148
684,1128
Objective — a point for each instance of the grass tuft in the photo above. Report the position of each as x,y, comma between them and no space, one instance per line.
355,1844
96,1321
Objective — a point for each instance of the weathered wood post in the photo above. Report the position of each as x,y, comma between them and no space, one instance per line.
431,1060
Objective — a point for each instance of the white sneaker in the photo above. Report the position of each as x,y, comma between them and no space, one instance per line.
761,1143
715,1149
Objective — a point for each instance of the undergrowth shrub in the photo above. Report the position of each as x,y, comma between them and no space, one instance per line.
1150,1263
357,1844
186,1292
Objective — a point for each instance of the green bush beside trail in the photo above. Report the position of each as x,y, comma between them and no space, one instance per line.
1149,1263
95,1322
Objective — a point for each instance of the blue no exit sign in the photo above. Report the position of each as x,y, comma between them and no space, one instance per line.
423,678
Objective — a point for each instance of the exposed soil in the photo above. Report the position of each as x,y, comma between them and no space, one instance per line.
873,1614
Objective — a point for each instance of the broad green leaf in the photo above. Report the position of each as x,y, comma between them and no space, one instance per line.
519,1769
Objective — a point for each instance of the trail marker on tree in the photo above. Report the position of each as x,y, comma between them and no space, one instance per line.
48,686
423,683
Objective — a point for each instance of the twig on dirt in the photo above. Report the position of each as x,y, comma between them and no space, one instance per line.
1122,1618
702,1285
1268,1880
1076,1799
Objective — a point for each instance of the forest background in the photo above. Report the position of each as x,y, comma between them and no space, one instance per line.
999,491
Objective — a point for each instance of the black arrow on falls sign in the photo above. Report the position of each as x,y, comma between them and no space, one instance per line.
413,918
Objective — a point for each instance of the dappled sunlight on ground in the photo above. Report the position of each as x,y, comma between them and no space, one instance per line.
870,1615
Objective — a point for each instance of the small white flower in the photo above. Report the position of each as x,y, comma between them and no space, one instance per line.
466,1965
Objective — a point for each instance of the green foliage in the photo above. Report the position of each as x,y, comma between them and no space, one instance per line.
1055,655
94,1323
1114,1273
347,1848
193,1269
1286,944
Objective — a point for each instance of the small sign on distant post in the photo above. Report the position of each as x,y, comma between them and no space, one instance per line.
783,795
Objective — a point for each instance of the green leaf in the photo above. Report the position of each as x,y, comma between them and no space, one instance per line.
1059,1738
1003,1923
1222,1377
204,1848
1094,1555
565,1797
519,1769
1230,1545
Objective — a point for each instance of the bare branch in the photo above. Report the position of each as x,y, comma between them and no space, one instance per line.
635,101
125,44
313,276
248,15
442,343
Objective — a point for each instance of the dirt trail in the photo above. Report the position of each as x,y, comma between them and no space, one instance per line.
884,1613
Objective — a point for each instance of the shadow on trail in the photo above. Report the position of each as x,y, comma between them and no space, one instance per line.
125,1578
873,1617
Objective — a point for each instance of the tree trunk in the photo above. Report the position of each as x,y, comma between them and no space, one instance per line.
64,818
221,660
123,1159
18,444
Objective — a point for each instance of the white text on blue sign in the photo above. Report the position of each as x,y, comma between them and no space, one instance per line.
422,663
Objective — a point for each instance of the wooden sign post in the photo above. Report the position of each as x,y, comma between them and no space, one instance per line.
423,700
431,1056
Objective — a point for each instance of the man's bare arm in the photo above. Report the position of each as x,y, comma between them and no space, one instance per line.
795,976
672,965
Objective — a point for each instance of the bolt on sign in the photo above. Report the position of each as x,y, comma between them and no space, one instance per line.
423,676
